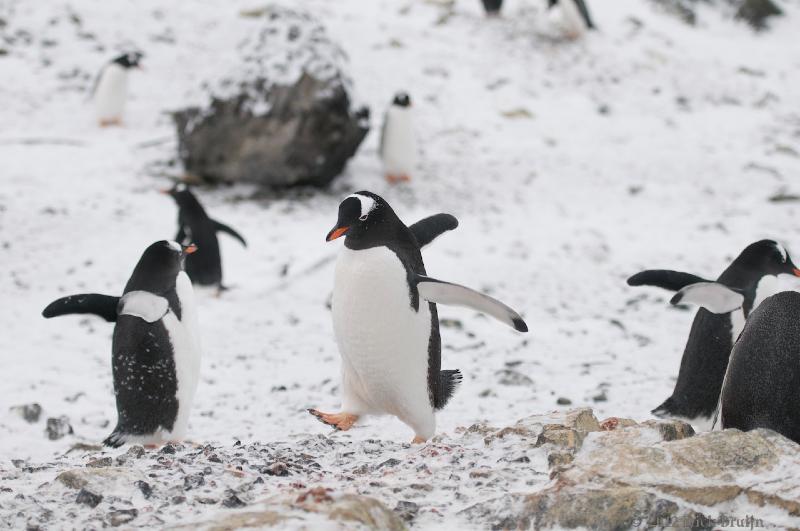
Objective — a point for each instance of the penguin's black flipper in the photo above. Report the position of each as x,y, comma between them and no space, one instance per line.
221,227
581,5
440,292
446,386
103,305
428,229
664,278
181,235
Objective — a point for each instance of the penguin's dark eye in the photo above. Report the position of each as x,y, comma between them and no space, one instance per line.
363,218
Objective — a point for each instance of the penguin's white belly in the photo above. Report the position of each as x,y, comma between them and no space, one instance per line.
184,337
111,93
399,143
383,341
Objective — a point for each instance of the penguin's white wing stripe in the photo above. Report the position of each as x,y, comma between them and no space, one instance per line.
712,296
144,305
440,292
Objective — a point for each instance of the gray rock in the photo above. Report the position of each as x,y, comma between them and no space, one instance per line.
30,412
121,517
87,497
58,428
757,12
284,117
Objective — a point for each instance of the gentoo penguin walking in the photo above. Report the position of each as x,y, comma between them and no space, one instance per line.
573,16
205,266
726,304
155,349
762,384
398,146
111,88
492,7
385,319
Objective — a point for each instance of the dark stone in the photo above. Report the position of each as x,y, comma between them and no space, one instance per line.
145,487
406,510
30,412
682,9
756,12
562,401
193,481
122,516
168,449
278,468
391,462
233,501
287,121
58,427
99,463
89,498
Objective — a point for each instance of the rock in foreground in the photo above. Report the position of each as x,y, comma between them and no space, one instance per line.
283,117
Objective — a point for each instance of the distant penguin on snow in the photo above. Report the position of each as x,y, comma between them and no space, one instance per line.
573,16
492,7
726,303
205,266
762,384
155,348
111,88
398,148
385,318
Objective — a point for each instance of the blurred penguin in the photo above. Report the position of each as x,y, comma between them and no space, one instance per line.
398,148
571,17
492,7
111,88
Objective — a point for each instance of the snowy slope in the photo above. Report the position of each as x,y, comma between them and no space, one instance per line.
569,165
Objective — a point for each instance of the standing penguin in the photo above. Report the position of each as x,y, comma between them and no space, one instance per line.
205,266
398,148
385,318
111,88
155,347
574,18
726,304
762,384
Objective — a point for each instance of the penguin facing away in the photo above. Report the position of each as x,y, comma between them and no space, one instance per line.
574,16
762,384
205,266
111,88
385,317
725,304
398,147
155,347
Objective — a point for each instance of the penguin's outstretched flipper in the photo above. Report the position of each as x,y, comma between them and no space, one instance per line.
428,229
713,296
221,227
584,11
103,305
664,278
440,292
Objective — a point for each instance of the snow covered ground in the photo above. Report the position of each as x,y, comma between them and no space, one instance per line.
570,166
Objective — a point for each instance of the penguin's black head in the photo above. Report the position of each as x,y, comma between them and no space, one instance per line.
366,219
128,60
401,99
182,195
767,257
159,267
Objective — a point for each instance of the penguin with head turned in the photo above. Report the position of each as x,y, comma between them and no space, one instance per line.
398,146
205,266
155,349
111,88
573,16
762,383
725,304
385,318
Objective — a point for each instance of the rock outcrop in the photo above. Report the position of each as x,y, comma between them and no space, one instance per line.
283,116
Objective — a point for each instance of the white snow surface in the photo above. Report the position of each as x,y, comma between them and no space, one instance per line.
570,166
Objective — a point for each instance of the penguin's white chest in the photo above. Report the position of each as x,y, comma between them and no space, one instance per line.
184,337
399,144
383,341
111,93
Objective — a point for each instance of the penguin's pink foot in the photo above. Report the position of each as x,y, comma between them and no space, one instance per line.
397,178
419,440
108,122
340,421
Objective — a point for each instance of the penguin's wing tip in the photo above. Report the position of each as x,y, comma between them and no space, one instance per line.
519,325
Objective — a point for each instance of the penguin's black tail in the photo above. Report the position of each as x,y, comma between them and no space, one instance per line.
116,439
103,305
446,387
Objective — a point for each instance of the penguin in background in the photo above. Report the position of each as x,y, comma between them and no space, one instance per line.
572,17
398,146
762,383
385,317
205,266
492,7
111,88
725,304
155,346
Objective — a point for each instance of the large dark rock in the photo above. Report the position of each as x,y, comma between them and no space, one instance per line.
284,117
756,12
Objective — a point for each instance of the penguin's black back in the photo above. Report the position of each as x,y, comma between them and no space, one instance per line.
762,387
204,266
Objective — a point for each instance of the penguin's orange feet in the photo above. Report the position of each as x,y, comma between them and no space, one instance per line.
397,178
340,421
110,121
418,440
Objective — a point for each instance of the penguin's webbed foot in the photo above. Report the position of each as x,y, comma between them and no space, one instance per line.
418,440
339,421
394,179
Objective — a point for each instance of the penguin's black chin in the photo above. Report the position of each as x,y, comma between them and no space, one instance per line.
336,232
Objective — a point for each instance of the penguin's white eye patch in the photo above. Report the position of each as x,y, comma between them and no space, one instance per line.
782,251
181,187
367,205
174,245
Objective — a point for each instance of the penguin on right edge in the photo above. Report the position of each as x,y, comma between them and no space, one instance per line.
398,147
762,384
726,303
205,266
574,16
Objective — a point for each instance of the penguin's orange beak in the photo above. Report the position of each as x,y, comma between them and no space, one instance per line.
165,191
189,249
336,233
796,272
